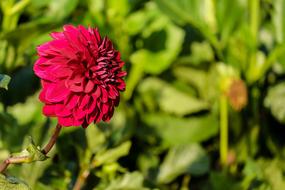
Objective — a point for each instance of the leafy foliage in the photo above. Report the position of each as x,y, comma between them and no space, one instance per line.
4,81
181,57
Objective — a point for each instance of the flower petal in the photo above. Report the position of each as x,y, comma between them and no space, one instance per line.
56,92
49,110
89,86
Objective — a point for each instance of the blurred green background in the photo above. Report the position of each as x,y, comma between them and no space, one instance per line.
196,68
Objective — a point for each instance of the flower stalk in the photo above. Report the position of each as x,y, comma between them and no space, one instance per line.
52,140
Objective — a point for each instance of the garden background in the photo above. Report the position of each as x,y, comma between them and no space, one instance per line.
204,106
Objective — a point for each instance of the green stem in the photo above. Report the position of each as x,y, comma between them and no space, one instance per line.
223,130
11,14
254,21
254,26
19,7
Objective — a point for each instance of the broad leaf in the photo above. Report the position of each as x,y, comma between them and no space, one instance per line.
4,81
274,101
129,181
95,138
198,13
222,181
194,129
112,155
145,60
269,173
59,10
190,159
12,183
157,62
170,99
278,14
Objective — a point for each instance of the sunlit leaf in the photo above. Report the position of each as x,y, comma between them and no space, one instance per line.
156,62
198,13
194,129
170,99
274,101
129,181
12,183
267,172
95,138
4,81
31,154
27,112
279,19
112,155
190,159
59,10
195,77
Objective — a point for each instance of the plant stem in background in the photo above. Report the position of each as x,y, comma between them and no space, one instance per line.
254,20
11,14
254,6
83,174
223,130
25,159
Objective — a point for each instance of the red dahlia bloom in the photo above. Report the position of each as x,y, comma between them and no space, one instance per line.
81,75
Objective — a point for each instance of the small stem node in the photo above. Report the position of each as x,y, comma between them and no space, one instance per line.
23,159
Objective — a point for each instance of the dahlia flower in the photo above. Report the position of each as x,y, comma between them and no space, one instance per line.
81,76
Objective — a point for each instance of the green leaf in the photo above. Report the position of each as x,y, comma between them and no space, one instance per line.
112,155
229,21
58,10
173,101
135,22
117,8
196,78
135,75
31,154
179,11
193,129
275,101
157,62
190,159
4,81
96,8
273,172
223,181
22,41
170,99
278,14
30,111
129,181
198,13
200,52
153,62
12,183
94,144
269,174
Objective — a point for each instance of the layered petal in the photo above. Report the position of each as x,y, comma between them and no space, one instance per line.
81,75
